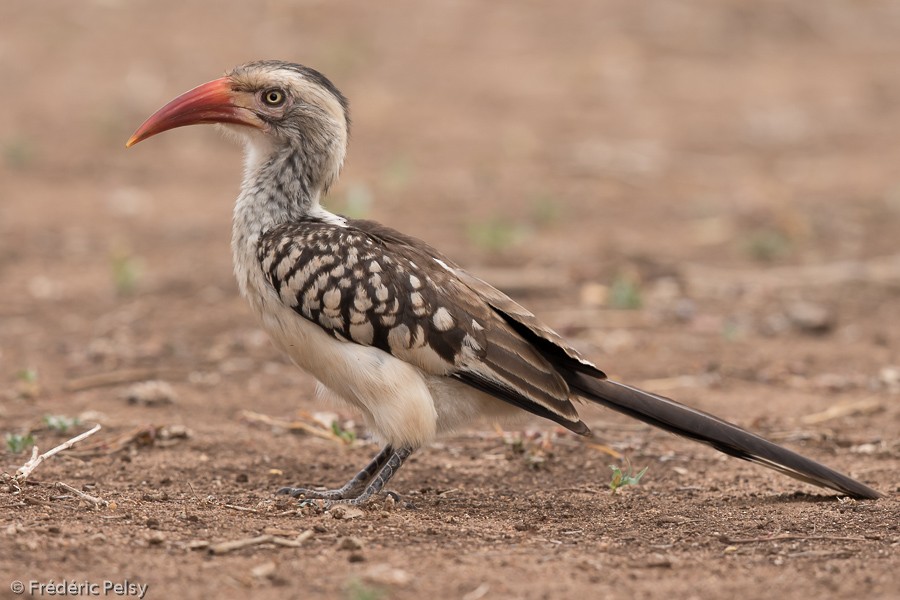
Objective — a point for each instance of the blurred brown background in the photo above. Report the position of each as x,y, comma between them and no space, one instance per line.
703,196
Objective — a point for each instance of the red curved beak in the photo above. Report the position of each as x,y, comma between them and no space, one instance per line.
212,102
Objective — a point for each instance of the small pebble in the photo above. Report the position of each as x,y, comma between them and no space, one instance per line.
810,318
344,512
151,393
350,543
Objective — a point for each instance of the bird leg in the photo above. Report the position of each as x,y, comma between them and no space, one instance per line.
378,482
364,484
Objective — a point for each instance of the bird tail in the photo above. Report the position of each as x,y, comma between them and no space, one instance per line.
721,435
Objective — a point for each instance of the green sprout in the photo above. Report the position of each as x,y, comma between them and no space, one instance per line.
357,202
18,153
347,436
545,211
28,376
622,478
60,423
17,443
625,293
125,272
397,175
357,590
496,234
767,245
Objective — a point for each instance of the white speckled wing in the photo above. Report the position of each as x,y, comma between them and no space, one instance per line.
366,284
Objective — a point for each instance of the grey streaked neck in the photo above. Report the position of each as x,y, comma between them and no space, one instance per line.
281,184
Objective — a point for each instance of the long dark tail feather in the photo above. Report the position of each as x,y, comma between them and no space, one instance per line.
721,435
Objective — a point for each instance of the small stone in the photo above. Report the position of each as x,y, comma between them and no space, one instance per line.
154,496
867,448
385,574
890,378
344,512
356,557
350,543
150,393
156,537
593,294
198,545
810,318
264,571
172,432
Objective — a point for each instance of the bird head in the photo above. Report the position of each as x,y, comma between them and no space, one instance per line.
270,105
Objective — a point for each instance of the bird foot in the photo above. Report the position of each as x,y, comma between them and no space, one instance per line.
311,494
328,498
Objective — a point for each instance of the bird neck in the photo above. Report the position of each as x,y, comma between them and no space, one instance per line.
283,184
280,186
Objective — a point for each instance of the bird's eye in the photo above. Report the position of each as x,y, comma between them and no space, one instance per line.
274,97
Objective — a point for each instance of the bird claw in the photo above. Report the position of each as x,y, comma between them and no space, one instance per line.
309,494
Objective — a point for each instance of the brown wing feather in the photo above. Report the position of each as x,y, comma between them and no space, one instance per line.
368,284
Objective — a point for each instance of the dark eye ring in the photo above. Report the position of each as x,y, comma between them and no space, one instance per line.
274,97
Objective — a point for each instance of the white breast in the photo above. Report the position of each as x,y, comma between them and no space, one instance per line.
391,394
403,405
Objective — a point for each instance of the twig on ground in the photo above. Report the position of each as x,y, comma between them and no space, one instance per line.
790,538
25,470
97,502
145,435
88,382
860,407
604,449
292,426
226,547
241,508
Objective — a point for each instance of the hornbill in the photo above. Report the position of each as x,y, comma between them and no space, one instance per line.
384,321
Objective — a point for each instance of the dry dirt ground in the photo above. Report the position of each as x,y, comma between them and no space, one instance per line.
703,196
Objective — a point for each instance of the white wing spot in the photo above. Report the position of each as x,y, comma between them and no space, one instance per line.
398,338
443,264
442,319
332,298
331,322
472,343
362,302
415,282
362,333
